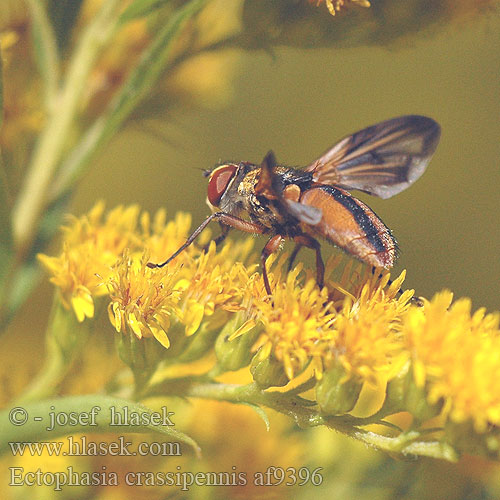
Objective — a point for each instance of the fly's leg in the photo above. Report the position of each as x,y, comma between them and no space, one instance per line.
223,218
271,246
219,239
293,256
309,242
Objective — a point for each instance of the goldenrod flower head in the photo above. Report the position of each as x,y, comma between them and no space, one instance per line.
367,339
362,332
336,5
142,300
91,246
213,283
456,355
297,320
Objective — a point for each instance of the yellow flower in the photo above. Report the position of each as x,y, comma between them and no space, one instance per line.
456,356
142,300
91,247
162,238
367,340
305,325
336,5
213,285
298,322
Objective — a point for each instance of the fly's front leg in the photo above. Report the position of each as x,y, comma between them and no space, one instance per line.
271,246
223,218
309,242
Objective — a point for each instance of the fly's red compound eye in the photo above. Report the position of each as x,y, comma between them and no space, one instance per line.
219,181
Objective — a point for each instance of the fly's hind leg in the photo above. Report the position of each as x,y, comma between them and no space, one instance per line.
293,256
309,242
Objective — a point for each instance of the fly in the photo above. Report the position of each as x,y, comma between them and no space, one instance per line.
314,202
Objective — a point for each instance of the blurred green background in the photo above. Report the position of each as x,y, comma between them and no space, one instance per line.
299,102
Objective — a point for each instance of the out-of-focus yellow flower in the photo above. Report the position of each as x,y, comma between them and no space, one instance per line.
205,79
91,246
115,64
335,5
456,355
13,13
23,115
247,449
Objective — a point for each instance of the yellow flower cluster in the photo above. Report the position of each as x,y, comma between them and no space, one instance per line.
334,6
91,246
456,356
298,323
358,329
107,255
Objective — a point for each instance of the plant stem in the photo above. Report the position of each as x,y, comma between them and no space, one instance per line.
50,147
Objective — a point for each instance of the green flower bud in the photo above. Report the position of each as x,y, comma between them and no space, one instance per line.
141,355
335,393
268,372
403,394
236,353
198,344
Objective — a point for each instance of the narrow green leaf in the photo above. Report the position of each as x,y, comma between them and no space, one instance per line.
87,410
140,82
261,413
141,8
46,53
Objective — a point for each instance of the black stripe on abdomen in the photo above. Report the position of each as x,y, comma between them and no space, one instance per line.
362,218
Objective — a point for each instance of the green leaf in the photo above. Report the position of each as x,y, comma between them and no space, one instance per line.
81,406
28,274
46,53
261,413
141,8
140,82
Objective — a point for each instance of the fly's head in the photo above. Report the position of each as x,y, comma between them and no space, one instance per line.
222,190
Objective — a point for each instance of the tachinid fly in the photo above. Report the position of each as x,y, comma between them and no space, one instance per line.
304,204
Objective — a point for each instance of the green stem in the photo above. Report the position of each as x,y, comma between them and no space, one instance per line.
50,147
64,338
406,443
46,47
141,80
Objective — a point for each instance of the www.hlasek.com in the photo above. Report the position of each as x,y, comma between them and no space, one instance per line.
273,476
82,446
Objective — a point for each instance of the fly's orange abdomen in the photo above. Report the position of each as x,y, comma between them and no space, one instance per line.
351,225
